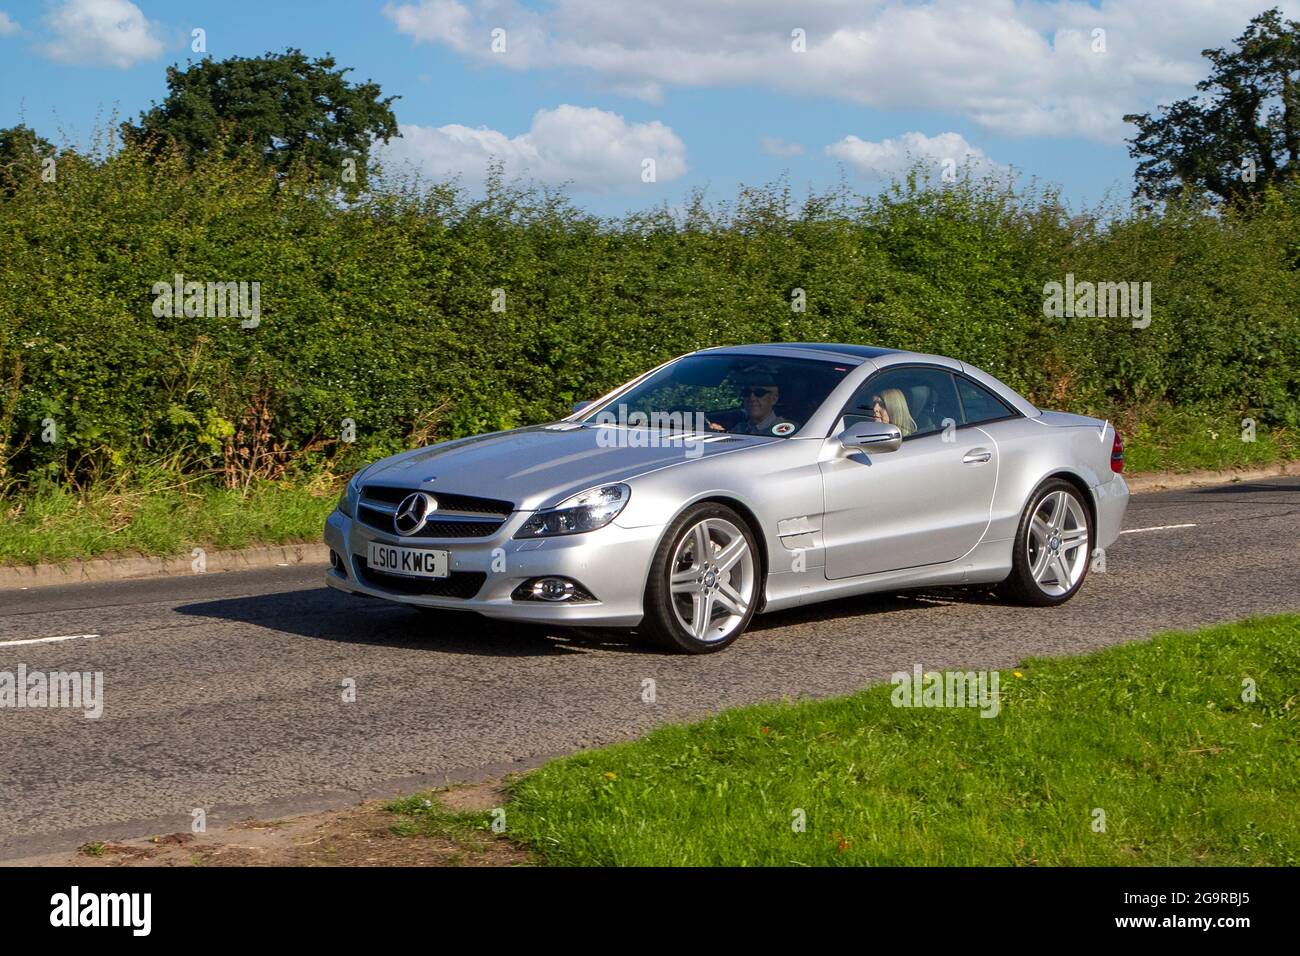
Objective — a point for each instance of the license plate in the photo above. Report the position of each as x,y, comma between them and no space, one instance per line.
410,562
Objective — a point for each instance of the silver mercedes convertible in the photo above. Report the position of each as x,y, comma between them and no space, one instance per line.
737,480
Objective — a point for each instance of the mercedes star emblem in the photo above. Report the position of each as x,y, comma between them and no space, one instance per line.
413,512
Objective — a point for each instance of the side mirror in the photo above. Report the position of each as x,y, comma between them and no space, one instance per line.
871,437
579,406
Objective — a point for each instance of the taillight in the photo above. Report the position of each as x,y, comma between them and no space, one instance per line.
1117,454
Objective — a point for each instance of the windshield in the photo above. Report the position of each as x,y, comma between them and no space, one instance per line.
739,394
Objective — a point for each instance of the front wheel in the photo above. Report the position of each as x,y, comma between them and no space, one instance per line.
1053,546
704,581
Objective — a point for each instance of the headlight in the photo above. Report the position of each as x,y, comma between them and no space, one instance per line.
352,494
585,511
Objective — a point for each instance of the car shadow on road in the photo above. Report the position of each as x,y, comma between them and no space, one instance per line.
1249,487
328,615
325,614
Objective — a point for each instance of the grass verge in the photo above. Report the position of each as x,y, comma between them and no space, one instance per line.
1155,735
55,524
1169,439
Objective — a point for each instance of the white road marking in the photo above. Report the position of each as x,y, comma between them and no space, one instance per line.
46,640
1163,527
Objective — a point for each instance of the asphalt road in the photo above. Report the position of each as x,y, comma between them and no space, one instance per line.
223,691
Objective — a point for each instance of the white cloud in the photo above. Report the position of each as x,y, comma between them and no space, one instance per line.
444,21
8,26
1014,66
594,150
892,158
101,33
776,146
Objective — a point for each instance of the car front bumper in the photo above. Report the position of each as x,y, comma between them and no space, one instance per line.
611,563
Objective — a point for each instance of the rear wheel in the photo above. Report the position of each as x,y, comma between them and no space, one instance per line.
1053,546
704,581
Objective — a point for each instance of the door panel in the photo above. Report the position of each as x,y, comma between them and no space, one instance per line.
926,503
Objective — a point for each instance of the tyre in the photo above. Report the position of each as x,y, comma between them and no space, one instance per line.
1053,546
704,582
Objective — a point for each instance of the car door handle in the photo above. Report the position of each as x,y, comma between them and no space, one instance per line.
977,456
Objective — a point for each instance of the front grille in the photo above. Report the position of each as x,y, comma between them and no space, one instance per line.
458,516
459,584
446,502
432,529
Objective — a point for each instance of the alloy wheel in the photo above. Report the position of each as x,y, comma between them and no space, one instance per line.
1057,543
711,579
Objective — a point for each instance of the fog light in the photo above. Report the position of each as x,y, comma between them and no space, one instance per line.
553,589
336,562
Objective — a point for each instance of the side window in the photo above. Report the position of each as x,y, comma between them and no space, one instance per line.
979,404
918,400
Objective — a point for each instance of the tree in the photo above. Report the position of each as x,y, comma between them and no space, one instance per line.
290,107
22,153
1241,135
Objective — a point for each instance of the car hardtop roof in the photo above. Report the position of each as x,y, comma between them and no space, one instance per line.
830,350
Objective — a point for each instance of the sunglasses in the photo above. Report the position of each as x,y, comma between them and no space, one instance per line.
756,391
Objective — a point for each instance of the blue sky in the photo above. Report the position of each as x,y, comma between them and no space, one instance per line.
716,93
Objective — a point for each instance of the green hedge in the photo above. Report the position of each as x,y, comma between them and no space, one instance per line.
380,309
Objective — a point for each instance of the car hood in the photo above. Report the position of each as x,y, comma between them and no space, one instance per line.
538,466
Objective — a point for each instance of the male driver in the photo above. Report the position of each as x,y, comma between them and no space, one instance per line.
759,394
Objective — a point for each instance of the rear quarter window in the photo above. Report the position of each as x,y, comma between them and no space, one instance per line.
979,404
